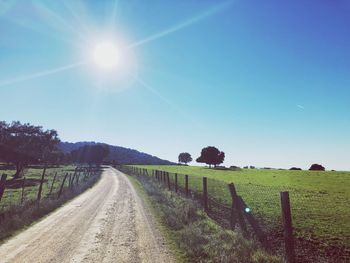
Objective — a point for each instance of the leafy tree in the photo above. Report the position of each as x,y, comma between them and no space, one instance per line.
317,167
24,144
56,157
185,158
211,155
91,154
295,169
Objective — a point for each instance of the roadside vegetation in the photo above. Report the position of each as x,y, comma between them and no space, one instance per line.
18,210
319,200
36,176
196,235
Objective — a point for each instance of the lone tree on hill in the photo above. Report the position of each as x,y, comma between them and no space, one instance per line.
24,144
211,155
317,167
90,154
185,158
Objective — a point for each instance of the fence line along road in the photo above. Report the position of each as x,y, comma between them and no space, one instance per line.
269,222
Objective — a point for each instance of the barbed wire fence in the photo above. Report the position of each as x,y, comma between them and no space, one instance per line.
15,194
274,216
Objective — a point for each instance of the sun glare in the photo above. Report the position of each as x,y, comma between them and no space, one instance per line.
106,55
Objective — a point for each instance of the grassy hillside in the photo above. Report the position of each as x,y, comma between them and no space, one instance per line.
119,154
319,199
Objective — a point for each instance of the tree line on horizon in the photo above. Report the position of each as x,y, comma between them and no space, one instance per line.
24,144
213,156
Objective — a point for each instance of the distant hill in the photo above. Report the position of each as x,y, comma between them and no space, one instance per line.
120,154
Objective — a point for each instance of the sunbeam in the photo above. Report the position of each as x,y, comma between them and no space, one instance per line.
80,14
183,25
172,105
114,13
56,21
40,74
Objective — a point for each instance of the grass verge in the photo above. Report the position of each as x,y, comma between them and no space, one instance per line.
196,236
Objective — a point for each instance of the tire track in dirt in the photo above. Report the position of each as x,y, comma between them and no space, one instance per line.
108,223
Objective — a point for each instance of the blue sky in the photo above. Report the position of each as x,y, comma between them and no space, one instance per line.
267,82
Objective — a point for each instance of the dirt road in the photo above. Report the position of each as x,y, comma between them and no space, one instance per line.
108,223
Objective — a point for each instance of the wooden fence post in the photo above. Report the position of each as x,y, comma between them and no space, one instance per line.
23,186
168,180
240,213
186,185
205,194
70,181
77,178
62,185
73,177
233,217
84,173
53,182
176,182
236,210
288,227
41,184
254,223
2,185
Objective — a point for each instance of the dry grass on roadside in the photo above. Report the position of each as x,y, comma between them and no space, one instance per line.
197,235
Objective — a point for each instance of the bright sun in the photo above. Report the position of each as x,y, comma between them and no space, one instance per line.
106,55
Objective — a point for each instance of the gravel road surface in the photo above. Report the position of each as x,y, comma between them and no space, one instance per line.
107,223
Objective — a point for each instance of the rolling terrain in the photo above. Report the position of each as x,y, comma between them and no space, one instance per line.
120,155
319,200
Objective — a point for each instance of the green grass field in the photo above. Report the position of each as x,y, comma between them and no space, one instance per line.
319,200
13,195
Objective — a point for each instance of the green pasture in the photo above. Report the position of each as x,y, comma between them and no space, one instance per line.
319,200
13,195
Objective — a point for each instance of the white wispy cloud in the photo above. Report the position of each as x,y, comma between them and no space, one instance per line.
300,106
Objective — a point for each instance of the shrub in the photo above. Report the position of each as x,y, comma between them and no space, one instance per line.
295,169
220,167
317,167
235,168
